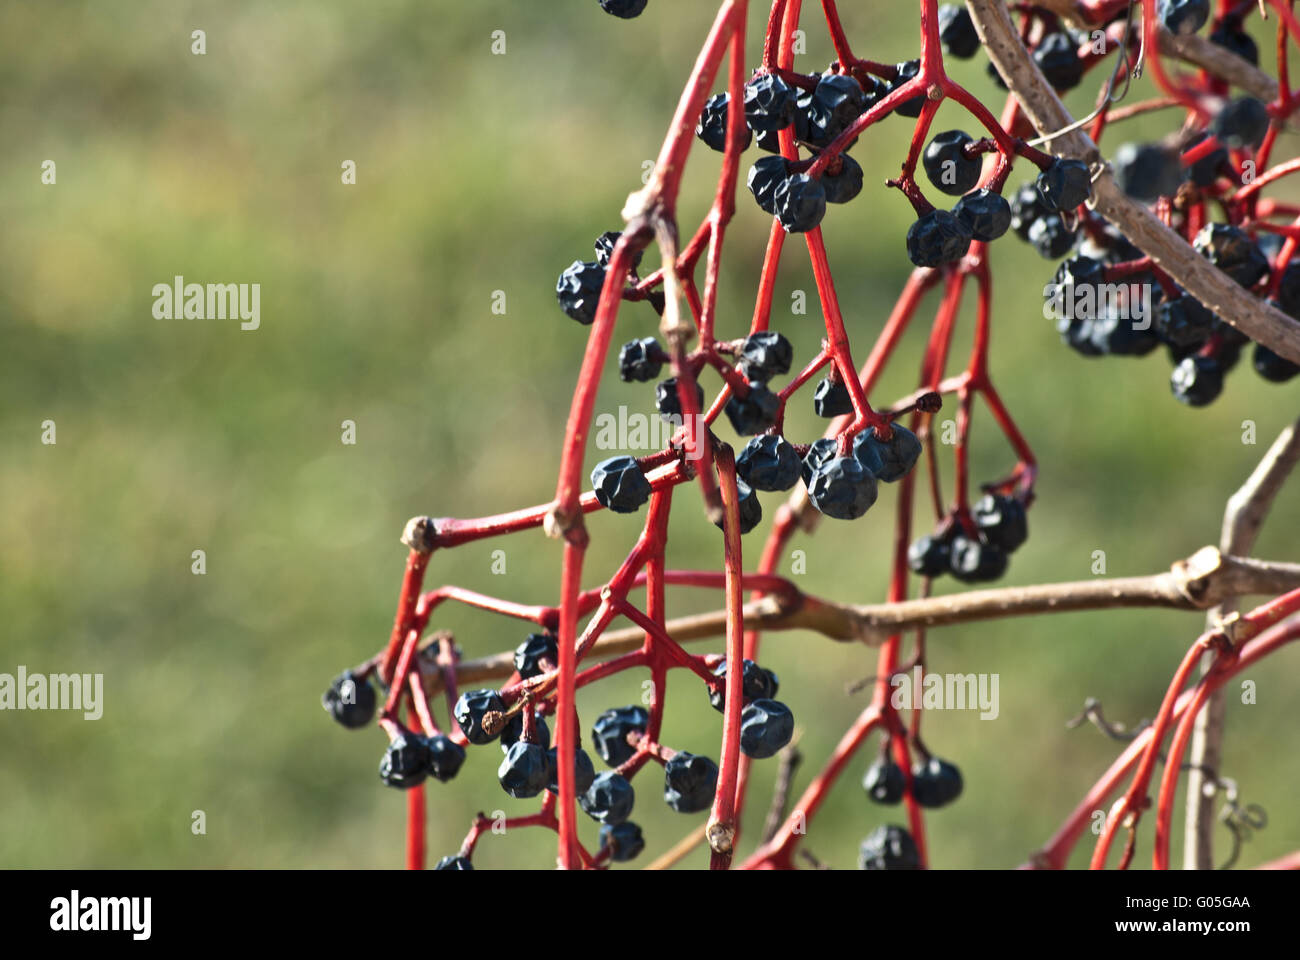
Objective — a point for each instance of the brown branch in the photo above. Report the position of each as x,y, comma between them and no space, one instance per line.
790,758
1242,519
1203,580
1221,62
679,850
1252,316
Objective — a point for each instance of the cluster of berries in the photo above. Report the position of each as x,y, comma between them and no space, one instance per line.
976,551
935,783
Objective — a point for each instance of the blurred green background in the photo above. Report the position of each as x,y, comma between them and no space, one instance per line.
479,173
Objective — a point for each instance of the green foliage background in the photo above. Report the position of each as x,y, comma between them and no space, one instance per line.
479,173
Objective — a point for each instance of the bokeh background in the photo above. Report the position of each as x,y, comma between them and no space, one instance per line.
477,173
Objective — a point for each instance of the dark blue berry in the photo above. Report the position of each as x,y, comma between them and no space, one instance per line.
765,355
1271,367
765,727
842,488
986,214
689,782
957,32
1117,336
929,556
770,103
1233,251
1002,521
756,683
454,863
885,782
769,462
937,238
898,454
350,700
755,412
819,452
765,176
800,203
524,770
668,400
1197,380
1051,237
831,398
406,761
584,771
1065,184
605,249
624,841
1241,123
1147,171
610,731
1183,16
947,164
624,9
1057,55
640,360
445,757
472,709
578,290
1231,37
609,799
973,561
513,732
536,648
620,484
1183,321
889,848
1026,206
935,782
907,70
846,183
749,508
837,101
712,128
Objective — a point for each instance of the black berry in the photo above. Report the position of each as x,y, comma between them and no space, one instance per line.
935,783
609,799
841,488
1183,16
610,731
1206,170
620,484
1241,123
770,103
831,398
524,771
1233,251
669,402
1231,37
884,782
689,782
929,556
640,360
513,732
765,727
765,176
1147,171
584,772
769,463
800,203
756,683
748,507
1065,184
471,710
536,648
889,848
1183,321
624,9
1272,367
986,214
712,127
350,700
897,455
957,32
973,561
937,238
837,101
1026,207
846,183
454,863
1057,56
755,412
578,290
1002,521
907,70
947,164
1050,236
605,249
765,355
406,761
1197,380
624,841
445,757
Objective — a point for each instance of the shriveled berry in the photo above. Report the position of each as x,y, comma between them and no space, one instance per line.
1183,16
609,733
406,761
1206,170
1241,123
1272,367
947,164
513,732
929,556
1002,521
712,127
350,700
624,841
536,648
1075,288
445,757
908,70
957,32
640,360
1026,207
765,176
578,290
765,727
1236,40
819,452
986,214
898,454
471,710
1065,184
842,488
749,508
1057,55
584,771
605,249
1233,251
1119,336
754,412
1197,380
1147,171
800,203
769,103
620,484
755,684
935,782
609,799
524,771
884,782
973,561
889,848
623,9
689,782
1183,321
846,183
765,355
831,398
1051,237
454,863
668,400
937,238
769,462
837,101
